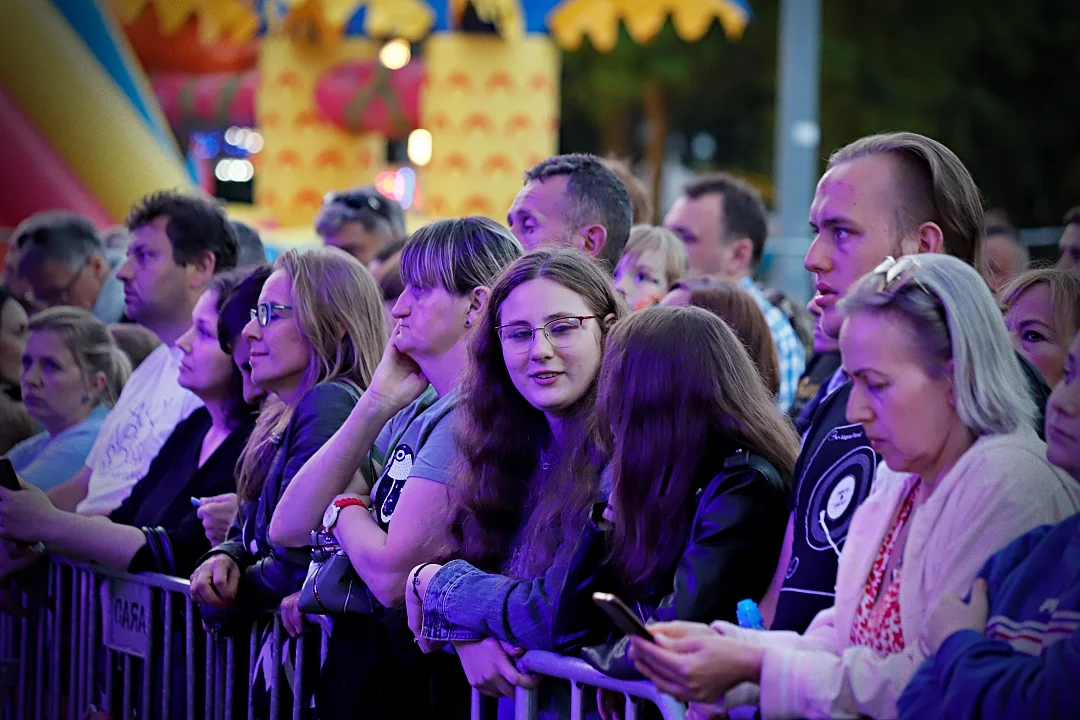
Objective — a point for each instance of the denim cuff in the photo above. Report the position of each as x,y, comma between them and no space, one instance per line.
439,600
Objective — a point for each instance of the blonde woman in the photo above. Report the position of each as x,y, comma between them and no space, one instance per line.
72,373
1042,312
316,337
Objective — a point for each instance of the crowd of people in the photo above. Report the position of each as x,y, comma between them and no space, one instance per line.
465,432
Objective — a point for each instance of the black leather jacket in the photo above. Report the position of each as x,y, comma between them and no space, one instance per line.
739,516
271,572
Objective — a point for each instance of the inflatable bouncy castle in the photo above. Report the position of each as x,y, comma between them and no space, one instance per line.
441,104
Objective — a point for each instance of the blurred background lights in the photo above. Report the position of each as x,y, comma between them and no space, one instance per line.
233,170
395,54
398,185
419,148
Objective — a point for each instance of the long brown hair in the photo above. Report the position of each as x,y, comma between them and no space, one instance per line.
677,389
338,309
740,311
500,494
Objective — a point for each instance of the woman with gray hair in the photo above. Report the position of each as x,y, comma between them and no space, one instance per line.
941,396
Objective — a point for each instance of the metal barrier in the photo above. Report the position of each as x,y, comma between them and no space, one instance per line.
581,675
89,639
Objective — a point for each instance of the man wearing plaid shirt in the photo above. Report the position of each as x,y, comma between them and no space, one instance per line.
722,221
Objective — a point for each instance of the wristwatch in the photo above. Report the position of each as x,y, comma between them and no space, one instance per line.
329,518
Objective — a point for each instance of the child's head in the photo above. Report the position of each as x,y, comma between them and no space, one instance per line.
653,259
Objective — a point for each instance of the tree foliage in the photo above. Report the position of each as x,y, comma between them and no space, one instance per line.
998,81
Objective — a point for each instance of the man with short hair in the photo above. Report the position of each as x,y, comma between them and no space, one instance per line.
65,261
1006,256
722,221
573,200
361,222
883,195
178,243
1070,242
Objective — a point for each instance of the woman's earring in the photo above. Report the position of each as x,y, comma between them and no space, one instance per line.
468,322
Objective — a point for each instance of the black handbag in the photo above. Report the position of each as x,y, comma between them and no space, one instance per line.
332,586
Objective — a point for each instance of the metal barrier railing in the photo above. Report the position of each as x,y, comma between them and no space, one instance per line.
88,638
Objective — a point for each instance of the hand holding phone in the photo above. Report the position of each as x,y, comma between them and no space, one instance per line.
8,479
623,617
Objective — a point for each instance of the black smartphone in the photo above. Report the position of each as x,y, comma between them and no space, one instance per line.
622,616
8,478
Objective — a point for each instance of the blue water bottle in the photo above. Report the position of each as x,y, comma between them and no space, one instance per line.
749,615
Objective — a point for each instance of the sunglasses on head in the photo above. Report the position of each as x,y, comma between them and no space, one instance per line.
360,202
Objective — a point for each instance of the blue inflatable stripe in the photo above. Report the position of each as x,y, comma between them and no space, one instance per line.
86,19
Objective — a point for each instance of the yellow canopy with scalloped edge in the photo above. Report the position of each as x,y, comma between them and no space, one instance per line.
572,20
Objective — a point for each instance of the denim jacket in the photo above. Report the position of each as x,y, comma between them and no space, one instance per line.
465,603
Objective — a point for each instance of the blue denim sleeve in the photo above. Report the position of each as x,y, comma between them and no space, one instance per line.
465,603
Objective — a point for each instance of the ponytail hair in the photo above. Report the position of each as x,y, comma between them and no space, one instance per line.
91,344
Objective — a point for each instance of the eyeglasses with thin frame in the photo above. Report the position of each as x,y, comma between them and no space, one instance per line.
267,312
560,332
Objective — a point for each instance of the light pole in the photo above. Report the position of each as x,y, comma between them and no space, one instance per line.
797,138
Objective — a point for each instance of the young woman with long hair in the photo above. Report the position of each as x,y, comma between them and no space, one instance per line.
531,462
315,339
736,307
701,460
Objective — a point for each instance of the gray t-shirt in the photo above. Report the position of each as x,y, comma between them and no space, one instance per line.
417,442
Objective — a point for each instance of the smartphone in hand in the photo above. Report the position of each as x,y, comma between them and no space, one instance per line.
623,617
8,479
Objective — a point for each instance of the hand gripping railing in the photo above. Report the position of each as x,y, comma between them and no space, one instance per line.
581,676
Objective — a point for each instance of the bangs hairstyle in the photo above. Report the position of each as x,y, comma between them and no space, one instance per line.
740,311
644,238
664,407
501,495
951,315
458,255
933,185
1064,289
338,308
91,344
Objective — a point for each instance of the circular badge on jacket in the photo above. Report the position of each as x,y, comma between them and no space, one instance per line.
837,494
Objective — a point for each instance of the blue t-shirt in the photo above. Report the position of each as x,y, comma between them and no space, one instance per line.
46,462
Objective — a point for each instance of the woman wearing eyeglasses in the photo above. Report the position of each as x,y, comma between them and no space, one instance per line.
315,339
531,465
942,397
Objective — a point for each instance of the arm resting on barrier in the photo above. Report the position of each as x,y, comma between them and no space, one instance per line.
92,538
69,494
462,602
418,530
327,473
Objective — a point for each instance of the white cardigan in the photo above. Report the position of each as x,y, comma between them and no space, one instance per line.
1000,488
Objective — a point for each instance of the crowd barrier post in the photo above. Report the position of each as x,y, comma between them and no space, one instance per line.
582,678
